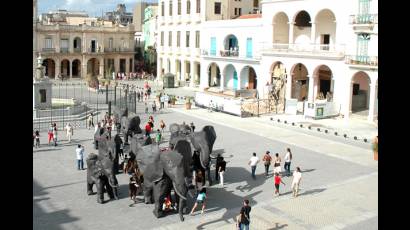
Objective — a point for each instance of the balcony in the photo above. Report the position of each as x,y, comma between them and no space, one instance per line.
118,50
64,50
363,22
48,50
361,61
336,52
230,55
77,50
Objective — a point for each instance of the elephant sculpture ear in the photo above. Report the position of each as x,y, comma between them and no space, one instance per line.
173,128
210,135
134,124
183,147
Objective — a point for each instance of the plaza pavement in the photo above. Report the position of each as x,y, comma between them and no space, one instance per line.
339,184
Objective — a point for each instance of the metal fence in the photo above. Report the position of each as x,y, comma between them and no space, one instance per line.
74,101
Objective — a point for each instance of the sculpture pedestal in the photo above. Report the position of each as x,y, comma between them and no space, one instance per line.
42,93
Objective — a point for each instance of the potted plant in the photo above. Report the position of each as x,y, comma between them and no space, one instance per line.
188,102
173,99
376,149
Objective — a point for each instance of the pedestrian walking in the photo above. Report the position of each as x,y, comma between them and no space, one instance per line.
138,95
50,134
55,134
253,162
34,138
147,129
277,181
276,164
288,159
297,177
218,160
200,200
90,121
221,170
267,159
246,209
162,125
154,107
158,136
70,131
80,156
134,185
242,221
146,107
37,137
192,126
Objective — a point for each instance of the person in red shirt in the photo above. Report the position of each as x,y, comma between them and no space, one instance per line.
147,129
277,180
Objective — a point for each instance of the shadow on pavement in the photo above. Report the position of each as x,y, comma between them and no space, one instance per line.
277,226
48,220
45,150
312,191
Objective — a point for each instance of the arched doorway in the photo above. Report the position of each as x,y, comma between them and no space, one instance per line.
93,67
178,69
281,28
65,68
248,78
230,77
325,32
214,75
231,46
300,82
323,86
50,67
360,94
278,81
77,45
302,28
76,68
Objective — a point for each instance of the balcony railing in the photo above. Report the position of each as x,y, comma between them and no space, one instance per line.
49,50
364,19
308,49
117,50
362,60
226,54
229,53
77,50
64,50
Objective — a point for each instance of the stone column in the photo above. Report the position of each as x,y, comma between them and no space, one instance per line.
127,66
372,102
291,25
348,104
316,87
288,86
57,70
313,33
84,43
238,87
116,65
101,70
58,42
311,89
159,68
204,82
222,81
84,68
183,70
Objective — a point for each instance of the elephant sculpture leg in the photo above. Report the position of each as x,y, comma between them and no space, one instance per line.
100,193
148,198
161,189
109,190
208,175
90,188
182,207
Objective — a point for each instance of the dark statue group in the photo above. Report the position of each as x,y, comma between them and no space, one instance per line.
162,170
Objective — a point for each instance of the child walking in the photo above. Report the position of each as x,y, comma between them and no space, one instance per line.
200,200
278,180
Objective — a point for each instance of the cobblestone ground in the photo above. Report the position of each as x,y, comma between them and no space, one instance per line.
338,189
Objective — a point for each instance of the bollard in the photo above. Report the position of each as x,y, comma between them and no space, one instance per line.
325,130
355,137
309,127
335,133
285,122
345,135
271,118
293,123
365,140
279,120
318,129
301,125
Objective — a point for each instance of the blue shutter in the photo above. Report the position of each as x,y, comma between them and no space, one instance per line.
213,46
249,47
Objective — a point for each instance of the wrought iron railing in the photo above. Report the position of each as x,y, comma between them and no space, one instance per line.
364,19
362,60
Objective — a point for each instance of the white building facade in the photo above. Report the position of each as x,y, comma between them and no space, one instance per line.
324,51
179,34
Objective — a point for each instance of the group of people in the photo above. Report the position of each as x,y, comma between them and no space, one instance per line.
134,76
277,170
52,134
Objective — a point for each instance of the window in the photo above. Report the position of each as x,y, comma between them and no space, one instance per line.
170,8
48,43
162,38
187,39
236,11
197,39
188,7
217,8
240,11
249,47
170,38
43,96
162,8
213,46
179,7
178,38
110,43
64,43
198,6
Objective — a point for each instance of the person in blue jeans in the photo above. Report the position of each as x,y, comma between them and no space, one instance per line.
246,209
253,162
80,156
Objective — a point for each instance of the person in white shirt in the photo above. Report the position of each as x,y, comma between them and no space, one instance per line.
253,162
80,156
70,131
288,159
297,176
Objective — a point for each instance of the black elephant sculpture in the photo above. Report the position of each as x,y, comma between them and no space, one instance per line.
163,171
100,170
130,127
202,142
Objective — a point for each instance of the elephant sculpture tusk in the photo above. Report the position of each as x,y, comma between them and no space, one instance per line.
176,190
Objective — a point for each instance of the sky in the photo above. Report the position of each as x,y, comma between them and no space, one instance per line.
92,7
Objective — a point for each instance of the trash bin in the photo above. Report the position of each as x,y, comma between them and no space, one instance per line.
169,80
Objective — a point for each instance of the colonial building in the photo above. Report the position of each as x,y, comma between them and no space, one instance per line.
313,53
179,34
74,46
120,15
